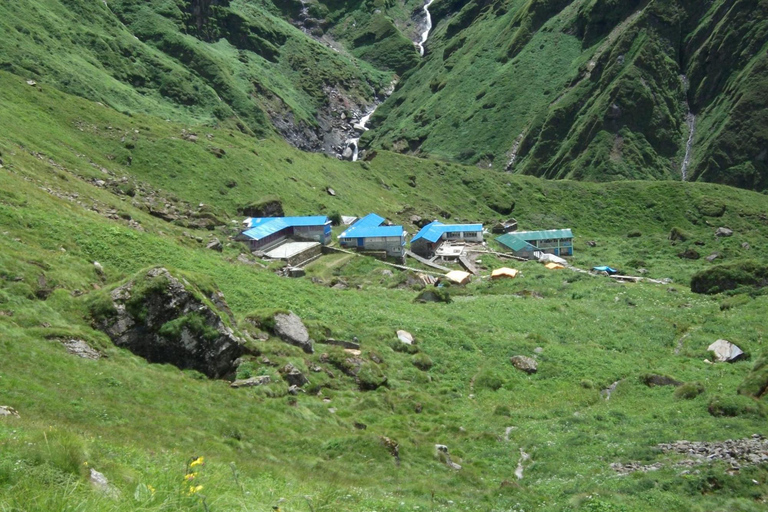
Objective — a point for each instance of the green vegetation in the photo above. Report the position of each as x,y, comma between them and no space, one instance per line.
123,183
740,277
589,90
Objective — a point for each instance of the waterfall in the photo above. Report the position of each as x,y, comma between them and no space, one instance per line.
427,27
360,126
690,120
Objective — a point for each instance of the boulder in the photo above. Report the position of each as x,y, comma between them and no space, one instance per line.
712,257
293,376
290,329
347,153
164,319
269,207
725,352
8,411
251,382
444,456
80,348
215,245
405,337
689,254
723,232
524,364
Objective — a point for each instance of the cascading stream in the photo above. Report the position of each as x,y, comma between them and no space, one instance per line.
360,125
427,27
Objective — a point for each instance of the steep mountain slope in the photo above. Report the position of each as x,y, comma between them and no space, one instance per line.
591,89
193,61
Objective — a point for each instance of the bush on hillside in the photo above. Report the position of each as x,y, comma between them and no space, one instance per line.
743,276
733,406
422,361
689,390
756,383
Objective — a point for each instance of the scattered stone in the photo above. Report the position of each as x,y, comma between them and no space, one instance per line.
405,337
652,380
341,343
745,246
293,376
330,191
519,470
415,219
360,426
444,456
347,153
294,390
242,258
6,410
31,83
725,352
524,363
295,272
290,329
712,257
723,232
100,482
80,348
689,254
737,453
393,447
251,382
215,245
217,152
607,392
538,350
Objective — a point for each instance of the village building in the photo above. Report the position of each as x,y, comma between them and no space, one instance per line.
531,244
293,239
427,241
368,234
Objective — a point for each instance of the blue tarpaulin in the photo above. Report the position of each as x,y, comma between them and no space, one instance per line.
606,269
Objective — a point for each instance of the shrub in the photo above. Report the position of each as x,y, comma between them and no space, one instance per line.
489,379
502,410
370,377
743,276
335,218
737,405
422,361
678,234
634,234
689,390
756,383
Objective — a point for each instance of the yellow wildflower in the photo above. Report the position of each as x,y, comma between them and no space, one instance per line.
194,489
151,489
85,463
197,462
190,476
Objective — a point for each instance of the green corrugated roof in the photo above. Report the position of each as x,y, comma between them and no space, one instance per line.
513,242
543,235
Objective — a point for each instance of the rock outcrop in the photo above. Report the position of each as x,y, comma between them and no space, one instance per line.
290,329
166,319
724,351
524,364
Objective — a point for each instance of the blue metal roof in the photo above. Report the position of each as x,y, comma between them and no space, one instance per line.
262,227
369,221
370,226
434,230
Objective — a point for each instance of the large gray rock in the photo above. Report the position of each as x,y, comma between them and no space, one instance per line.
725,352
724,232
6,410
405,337
293,376
80,348
251,382
290,329
163,319
524,364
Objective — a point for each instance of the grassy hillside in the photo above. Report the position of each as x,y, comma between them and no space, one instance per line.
126,191
592,89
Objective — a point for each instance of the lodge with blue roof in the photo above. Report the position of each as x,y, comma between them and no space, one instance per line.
426,241
263,233
369,234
